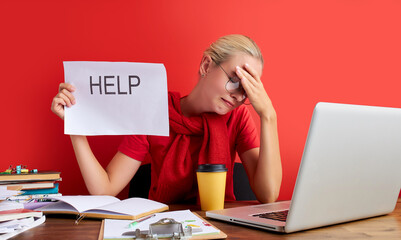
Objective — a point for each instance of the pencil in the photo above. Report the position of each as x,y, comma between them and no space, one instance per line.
133,224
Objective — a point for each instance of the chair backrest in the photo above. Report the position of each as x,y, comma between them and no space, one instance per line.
242,189
140,183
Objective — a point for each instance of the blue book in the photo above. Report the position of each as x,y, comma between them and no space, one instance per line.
42,191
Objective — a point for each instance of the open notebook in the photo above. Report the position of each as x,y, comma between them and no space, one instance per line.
104,207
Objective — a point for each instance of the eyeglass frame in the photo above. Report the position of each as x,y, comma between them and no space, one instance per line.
230,79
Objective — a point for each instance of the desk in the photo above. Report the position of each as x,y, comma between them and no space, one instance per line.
384,227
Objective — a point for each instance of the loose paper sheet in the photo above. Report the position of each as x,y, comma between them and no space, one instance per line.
117,98
115,228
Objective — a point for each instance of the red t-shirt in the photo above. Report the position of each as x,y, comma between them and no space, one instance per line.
242,135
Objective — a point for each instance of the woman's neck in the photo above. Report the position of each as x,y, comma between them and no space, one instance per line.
191,105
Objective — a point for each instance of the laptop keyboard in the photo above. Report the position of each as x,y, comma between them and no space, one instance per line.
278,216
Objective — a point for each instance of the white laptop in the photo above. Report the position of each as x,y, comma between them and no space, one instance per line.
350,170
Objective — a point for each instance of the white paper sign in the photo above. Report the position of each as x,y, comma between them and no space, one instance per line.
117,98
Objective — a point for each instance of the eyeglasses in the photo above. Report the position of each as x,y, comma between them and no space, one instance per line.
233,85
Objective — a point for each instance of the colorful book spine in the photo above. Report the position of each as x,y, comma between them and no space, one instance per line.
42,191
34,196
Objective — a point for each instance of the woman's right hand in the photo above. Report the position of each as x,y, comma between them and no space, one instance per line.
63,98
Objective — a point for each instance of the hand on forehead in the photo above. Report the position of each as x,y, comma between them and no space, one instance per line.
240,59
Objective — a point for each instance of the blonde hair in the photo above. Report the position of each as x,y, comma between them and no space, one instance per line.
226,46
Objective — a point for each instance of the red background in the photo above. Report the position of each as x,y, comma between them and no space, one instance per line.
345,51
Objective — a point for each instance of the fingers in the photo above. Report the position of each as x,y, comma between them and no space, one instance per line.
248,74
249,80
62,99
65,90
254,88
252,72
58,107
67,96
244,81
67,86
252,84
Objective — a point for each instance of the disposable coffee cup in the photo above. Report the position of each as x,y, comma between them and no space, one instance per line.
211,185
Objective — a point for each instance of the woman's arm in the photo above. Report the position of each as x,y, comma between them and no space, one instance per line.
100,181
263,165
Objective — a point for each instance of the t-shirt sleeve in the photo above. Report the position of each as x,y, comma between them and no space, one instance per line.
135,146
247,136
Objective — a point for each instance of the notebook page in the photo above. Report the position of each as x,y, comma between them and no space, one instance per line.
83,203
131,206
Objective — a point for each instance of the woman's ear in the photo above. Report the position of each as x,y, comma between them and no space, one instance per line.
205,65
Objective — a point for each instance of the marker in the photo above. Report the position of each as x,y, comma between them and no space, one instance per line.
136,222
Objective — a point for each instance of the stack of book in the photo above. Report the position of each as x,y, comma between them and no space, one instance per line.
14,219
36,188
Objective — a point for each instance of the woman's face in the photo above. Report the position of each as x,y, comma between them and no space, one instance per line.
219,99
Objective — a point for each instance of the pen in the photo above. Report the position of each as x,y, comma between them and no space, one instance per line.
133,224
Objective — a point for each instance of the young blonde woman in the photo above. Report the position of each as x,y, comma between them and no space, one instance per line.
209,125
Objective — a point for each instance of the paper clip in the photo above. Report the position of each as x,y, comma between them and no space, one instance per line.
164,228
79,218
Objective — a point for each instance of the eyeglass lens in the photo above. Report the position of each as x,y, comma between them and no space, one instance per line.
233,85
236,87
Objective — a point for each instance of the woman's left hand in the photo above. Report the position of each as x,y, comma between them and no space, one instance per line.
255,91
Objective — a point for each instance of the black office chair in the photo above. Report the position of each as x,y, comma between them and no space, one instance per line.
242,189
140,183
